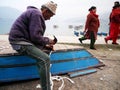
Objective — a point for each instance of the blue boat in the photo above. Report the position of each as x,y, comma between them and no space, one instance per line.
15,67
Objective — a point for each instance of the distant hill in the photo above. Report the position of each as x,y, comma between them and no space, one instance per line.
7,17
8,12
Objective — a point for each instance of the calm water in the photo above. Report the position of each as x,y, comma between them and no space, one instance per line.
64,29
61,28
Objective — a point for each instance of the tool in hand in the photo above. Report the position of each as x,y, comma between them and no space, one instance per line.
55,39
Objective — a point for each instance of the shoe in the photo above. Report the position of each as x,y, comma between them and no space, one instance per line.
105,40
93,48
80,40
115,43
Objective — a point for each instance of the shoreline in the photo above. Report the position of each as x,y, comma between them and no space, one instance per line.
69,39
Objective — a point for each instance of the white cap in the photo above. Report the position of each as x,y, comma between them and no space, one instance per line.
51,6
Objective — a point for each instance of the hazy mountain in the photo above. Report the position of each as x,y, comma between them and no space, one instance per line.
7,17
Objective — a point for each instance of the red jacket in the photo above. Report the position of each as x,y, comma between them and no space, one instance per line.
92,24
115,23
115,16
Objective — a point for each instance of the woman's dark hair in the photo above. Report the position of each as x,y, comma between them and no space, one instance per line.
92,8
116,5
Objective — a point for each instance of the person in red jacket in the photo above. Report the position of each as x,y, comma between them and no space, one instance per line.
114,24
91,27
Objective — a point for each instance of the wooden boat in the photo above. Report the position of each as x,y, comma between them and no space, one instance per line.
15,67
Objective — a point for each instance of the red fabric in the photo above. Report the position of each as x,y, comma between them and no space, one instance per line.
114,25
94,14
115,12
114,29
92,24
119,31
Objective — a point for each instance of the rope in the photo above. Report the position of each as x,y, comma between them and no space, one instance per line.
59,78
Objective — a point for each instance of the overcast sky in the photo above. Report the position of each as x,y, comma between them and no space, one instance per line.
66,8
67,11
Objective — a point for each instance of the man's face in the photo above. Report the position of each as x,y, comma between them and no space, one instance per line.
47,14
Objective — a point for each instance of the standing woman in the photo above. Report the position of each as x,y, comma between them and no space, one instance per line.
91,27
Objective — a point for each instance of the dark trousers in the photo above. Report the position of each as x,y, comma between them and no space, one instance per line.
43,63
92,39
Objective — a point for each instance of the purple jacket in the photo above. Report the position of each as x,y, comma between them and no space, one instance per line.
29,27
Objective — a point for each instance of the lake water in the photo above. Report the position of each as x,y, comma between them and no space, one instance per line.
61,28
65,30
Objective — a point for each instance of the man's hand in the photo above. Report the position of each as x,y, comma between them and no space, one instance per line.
49,47
51,44
54,41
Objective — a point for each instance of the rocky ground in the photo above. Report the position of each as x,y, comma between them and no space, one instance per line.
106,78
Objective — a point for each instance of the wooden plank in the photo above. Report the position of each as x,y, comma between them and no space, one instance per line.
83,72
